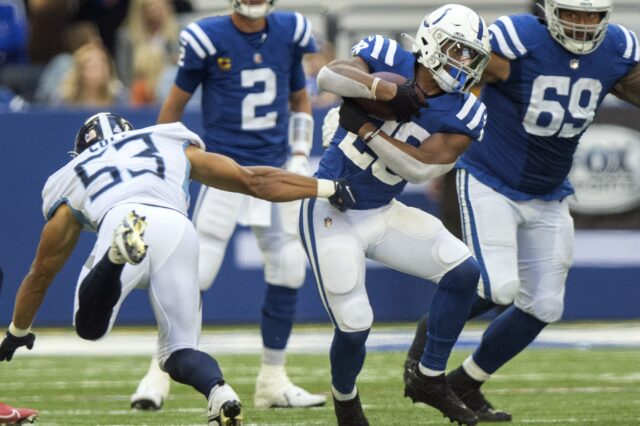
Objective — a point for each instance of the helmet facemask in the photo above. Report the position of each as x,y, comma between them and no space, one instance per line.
256,11
579,39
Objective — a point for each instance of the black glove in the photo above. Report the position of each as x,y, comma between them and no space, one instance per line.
343,198
352,117
406,103
10,343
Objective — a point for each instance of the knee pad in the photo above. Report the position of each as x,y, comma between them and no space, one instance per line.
504,293
463,277
285,264
546,310
354,315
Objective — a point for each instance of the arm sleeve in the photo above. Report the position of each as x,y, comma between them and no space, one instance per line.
378,52
507,36
196,53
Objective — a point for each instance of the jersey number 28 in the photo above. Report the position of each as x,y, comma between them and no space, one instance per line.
580,90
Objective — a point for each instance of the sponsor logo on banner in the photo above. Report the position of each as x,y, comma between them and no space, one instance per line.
606,171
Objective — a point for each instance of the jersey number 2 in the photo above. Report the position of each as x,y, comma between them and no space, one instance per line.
538,105
250,78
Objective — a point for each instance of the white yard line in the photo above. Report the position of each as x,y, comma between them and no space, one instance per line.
247,342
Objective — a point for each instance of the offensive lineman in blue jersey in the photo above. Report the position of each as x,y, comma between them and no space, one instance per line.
379,157
249,66
546,81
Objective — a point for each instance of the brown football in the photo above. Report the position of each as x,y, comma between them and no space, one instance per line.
382,109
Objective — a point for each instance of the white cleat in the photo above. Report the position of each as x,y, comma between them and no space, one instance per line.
275,390
127,244
224,408
152,390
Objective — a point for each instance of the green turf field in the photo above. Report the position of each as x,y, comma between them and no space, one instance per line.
543,386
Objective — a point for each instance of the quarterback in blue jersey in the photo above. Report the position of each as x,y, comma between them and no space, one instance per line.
547,79
255,109
379,157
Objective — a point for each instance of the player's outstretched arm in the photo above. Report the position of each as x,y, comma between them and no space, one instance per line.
628,88
268,183
57,241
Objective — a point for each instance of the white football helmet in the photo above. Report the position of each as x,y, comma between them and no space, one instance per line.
577,38
252,11
453,43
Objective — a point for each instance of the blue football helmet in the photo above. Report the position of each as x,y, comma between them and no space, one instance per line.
98,127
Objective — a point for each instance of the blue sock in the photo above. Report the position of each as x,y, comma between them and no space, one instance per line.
278,311
449,311
480,306
347,355
98,294
195,368
506,337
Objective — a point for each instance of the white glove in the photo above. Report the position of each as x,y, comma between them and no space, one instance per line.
330,125
298,164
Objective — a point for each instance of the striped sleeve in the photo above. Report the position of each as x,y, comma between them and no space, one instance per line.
473,116
631,50
379,52
303,37
505,40
196,47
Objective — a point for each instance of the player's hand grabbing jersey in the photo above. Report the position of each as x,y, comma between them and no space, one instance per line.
349,157
146,166
537,116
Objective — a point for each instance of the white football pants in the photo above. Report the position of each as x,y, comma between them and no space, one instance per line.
274,225
524,248
338,243
169,271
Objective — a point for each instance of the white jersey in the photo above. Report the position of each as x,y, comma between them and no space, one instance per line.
145,166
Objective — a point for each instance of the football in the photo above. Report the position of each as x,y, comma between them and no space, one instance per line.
382,109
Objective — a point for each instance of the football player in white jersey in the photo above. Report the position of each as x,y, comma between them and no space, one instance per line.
379,157
255,109
546,80
131,187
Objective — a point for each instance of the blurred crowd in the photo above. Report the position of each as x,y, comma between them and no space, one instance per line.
99,53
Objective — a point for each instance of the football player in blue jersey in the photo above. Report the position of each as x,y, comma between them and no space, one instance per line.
546,79
255,109
378,157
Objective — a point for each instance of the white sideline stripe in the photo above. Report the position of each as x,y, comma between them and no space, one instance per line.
243,342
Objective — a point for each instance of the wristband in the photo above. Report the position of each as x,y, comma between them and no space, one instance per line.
18,332
326,188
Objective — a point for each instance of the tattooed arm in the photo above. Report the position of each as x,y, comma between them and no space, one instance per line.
628,88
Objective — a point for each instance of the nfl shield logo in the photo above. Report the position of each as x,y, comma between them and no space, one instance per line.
328,222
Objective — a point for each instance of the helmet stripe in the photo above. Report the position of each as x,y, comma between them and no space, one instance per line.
442,16
105,126
480,28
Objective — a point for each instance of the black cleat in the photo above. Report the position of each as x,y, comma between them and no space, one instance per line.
468,390
230,414
145,405
349,413
435,391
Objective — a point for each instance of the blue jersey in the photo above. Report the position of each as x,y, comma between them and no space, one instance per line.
349,157
537,116
246,82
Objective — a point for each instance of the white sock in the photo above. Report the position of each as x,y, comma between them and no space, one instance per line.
474,371
273,356
429,372
344,396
